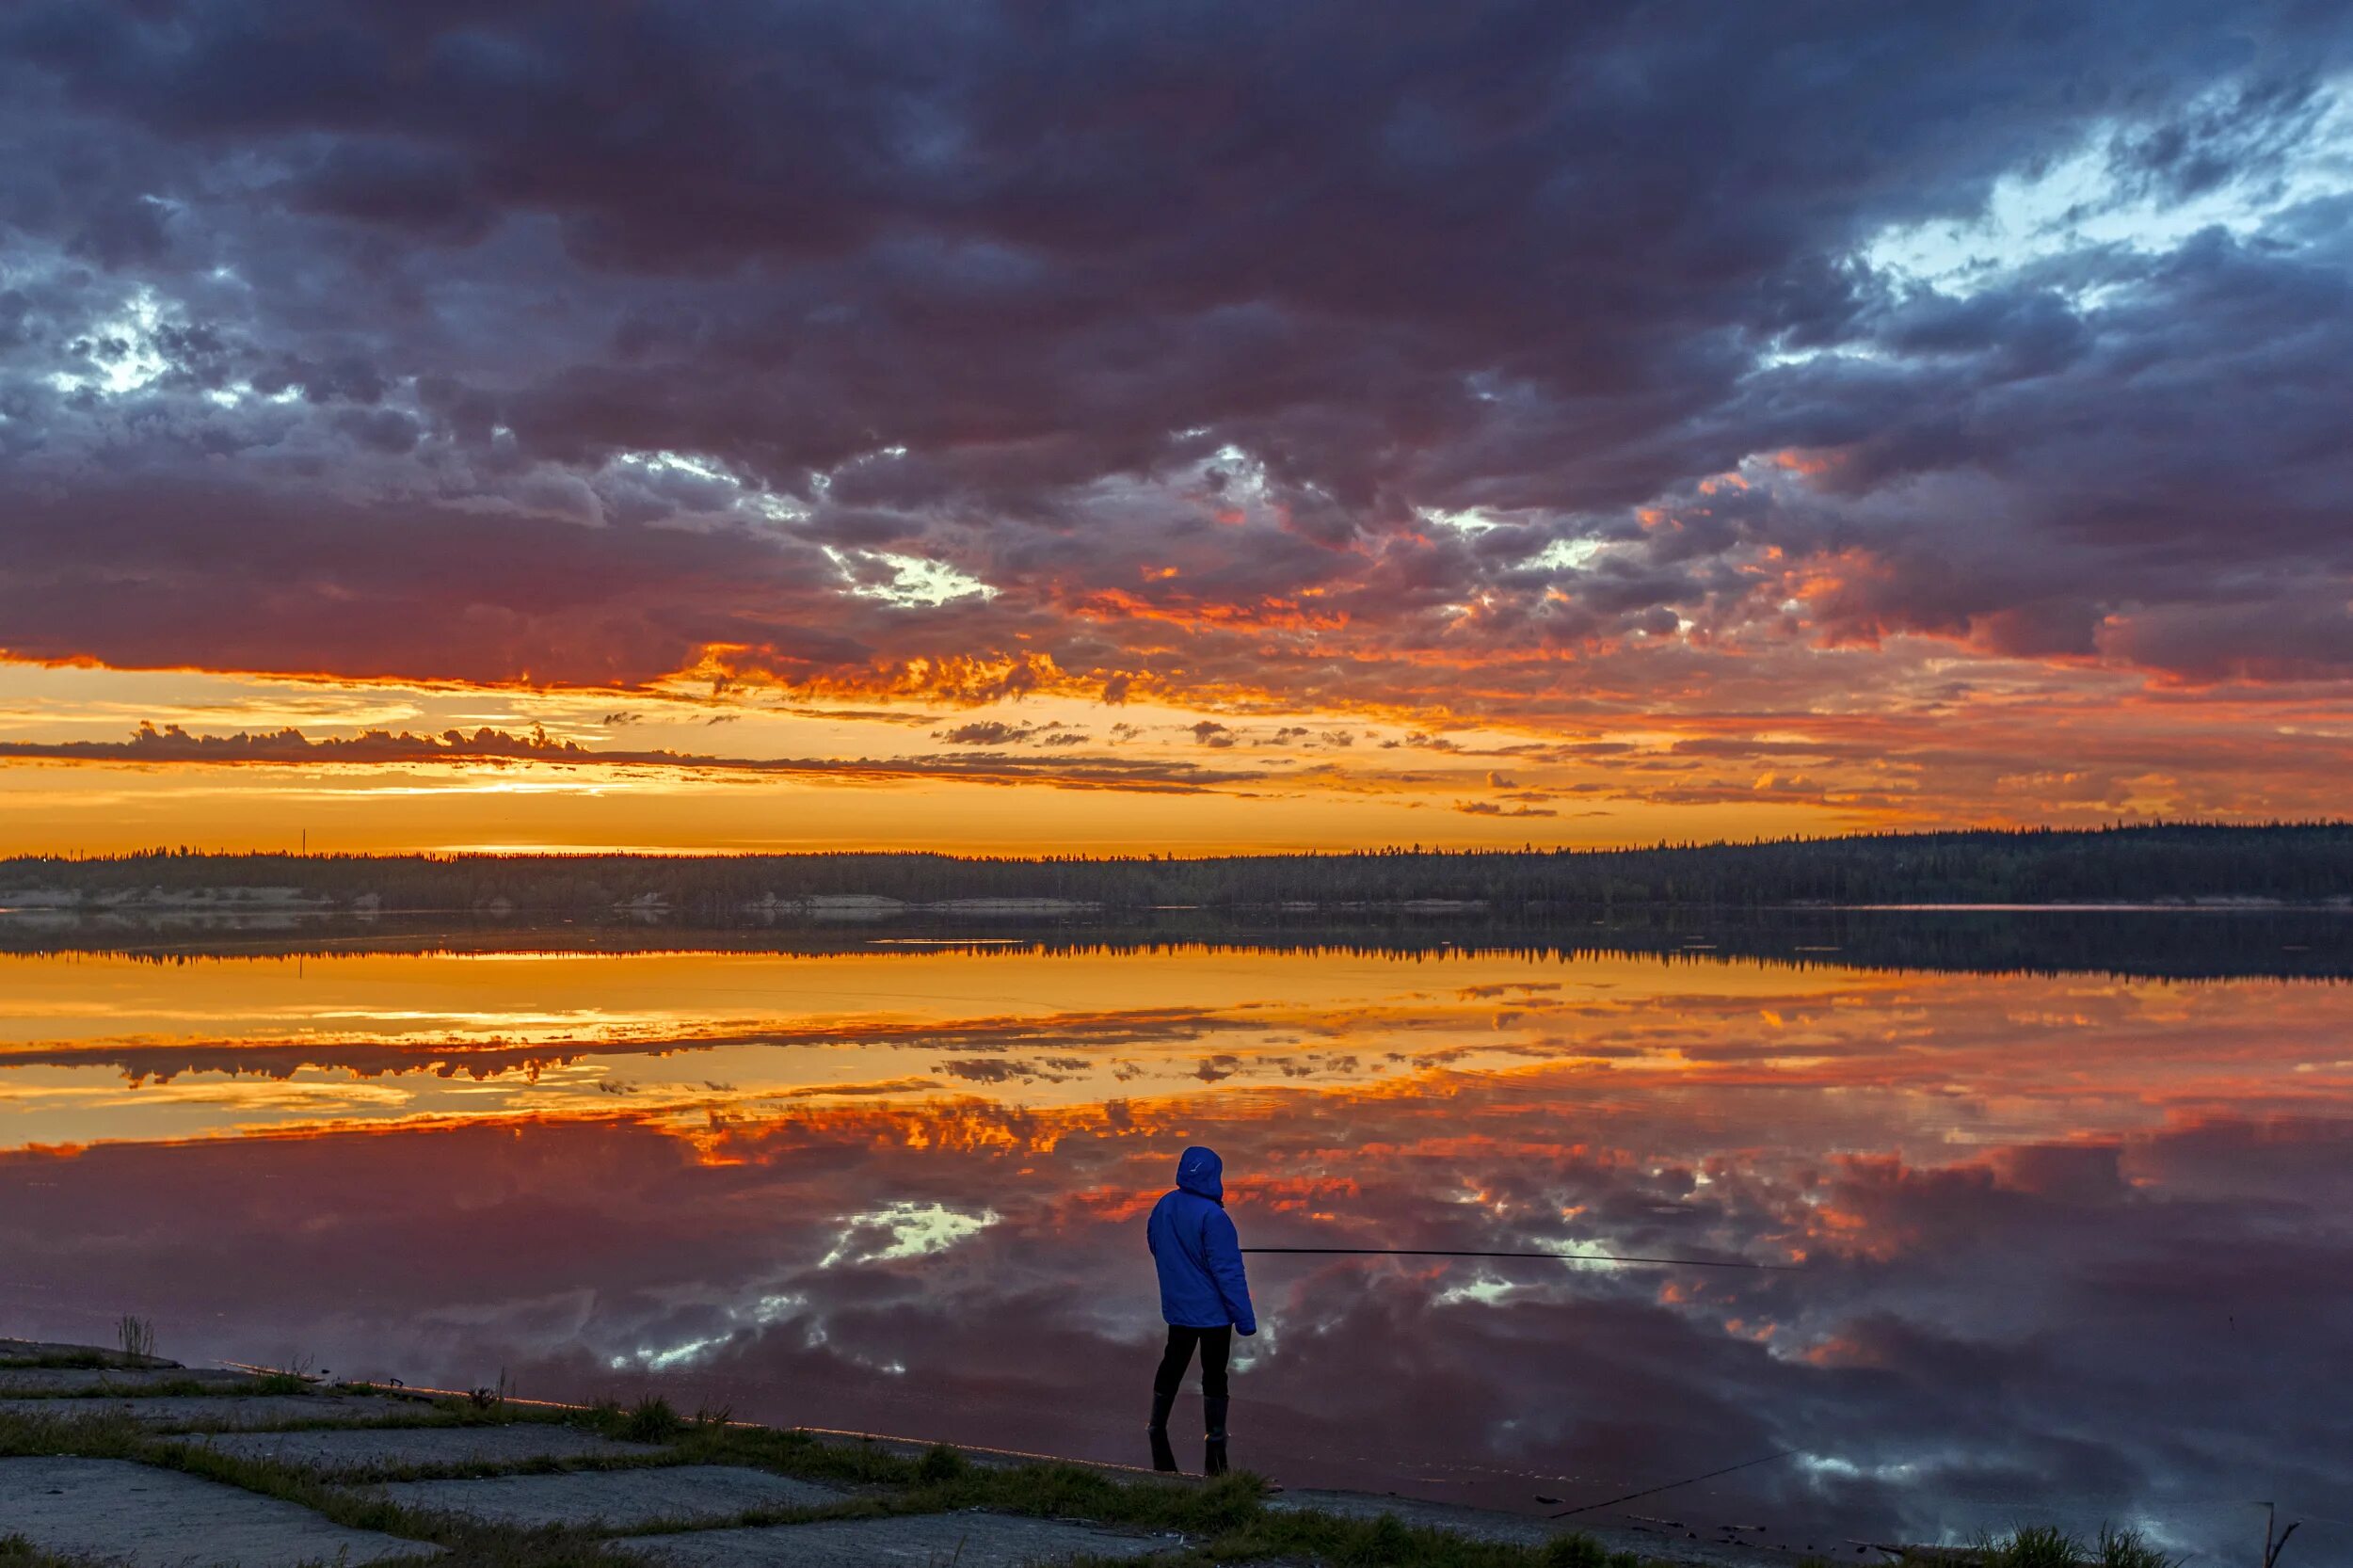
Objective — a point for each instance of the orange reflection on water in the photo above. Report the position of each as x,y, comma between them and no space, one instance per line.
105,1049
905,1190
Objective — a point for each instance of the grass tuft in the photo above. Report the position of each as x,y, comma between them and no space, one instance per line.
2031,1546
650,1420
17,1552
138,1337
2129,1548
2048,1546
1306,1535
1383,1544
275,1383
940,1463
1583,1551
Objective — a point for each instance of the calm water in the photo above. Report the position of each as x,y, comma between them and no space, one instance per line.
2070,1247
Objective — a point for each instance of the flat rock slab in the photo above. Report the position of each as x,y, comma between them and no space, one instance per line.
223,1412
57,1380
360,1449
120,1513
14,1351
617,1499
967,1540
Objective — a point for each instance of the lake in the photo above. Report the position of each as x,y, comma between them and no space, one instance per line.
2059,1243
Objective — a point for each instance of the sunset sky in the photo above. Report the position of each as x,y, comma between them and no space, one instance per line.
1017,427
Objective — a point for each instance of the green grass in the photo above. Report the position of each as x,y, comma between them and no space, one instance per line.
2129,1548
1386,1542
2037,1547
17,1552
1583,1551
650,1420
2048,1546
277,1382
1222,1521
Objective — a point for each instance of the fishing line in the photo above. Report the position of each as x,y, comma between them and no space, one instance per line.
1648,1491
1556,1257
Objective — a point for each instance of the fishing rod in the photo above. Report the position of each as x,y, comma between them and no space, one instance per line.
1556,1257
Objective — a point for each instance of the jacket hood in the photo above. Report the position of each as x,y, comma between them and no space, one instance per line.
1201,1171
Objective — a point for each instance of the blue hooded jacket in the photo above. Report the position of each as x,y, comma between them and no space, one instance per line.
1202,1284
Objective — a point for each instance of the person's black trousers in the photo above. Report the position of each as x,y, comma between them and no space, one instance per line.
1215,1344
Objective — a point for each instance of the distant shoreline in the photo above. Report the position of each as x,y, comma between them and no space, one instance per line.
2171,941
291,901
2173,867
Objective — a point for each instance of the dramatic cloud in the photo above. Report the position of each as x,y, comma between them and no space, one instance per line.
171,743
1350,357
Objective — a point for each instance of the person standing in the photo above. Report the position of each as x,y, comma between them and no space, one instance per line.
1205,1298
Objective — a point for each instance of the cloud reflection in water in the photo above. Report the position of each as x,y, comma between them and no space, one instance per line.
2067,1243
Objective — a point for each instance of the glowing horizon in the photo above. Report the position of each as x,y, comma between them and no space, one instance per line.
96,760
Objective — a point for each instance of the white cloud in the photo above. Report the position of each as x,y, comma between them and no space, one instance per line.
2083,201
916,1230
1567,554
914,580
123,347
666,461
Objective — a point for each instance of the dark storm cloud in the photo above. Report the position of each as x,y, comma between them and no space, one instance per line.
505,340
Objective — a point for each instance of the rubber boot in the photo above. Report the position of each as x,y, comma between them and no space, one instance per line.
1213,1436
1163,1457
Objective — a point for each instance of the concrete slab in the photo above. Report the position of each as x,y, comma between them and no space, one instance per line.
362,1449
223,1412
115,1512
58,1381
967,1540
614,1499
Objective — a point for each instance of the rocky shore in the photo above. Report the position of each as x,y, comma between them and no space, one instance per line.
108,1458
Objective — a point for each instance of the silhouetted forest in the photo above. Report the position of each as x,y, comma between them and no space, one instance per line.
2239,944
2303,863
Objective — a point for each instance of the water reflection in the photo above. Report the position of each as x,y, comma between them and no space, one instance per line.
2069,1243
